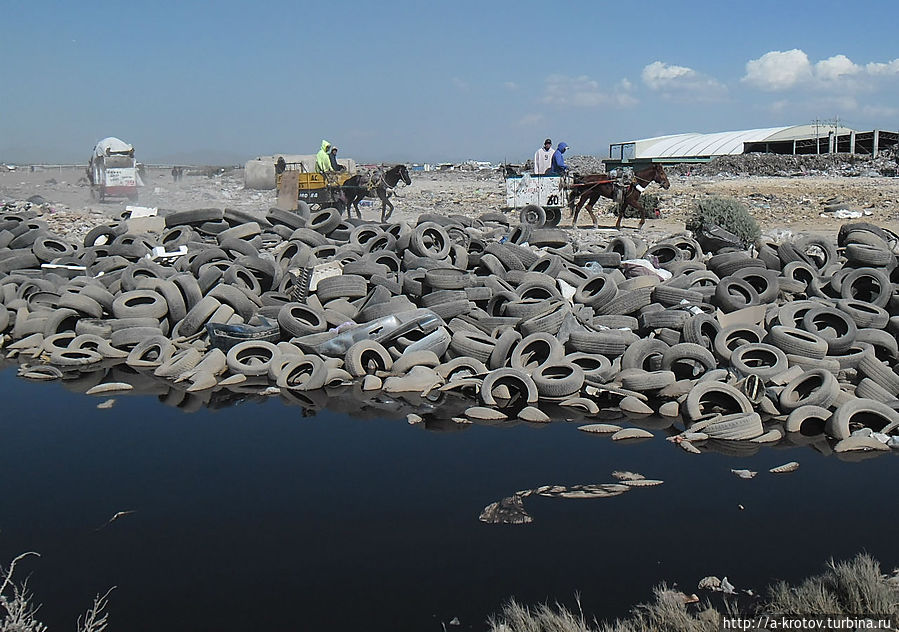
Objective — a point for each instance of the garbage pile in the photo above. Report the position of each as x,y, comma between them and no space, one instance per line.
469,320
792,165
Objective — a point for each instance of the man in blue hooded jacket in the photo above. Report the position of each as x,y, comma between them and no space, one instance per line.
559,167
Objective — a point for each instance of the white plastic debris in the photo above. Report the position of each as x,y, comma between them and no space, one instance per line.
141,211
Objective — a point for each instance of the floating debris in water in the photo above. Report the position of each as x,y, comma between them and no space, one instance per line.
105,405
786,468
510,510
642,482
744,473
600,428
116,516
627,476
632,433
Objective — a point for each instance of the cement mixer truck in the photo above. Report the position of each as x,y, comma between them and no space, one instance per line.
112,170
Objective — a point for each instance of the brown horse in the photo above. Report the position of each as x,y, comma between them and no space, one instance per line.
589,188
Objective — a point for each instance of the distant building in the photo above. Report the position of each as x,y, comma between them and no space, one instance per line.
796,139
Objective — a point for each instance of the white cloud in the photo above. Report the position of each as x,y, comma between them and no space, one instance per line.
585,92
879,69
680,83
835,67
778,70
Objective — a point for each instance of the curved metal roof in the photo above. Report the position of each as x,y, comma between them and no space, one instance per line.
721,143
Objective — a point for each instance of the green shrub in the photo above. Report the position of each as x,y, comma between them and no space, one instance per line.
728,213
650,202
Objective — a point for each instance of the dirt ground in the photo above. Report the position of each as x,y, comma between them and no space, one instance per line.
794,204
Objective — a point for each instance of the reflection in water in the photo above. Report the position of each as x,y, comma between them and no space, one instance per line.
510,510
441,410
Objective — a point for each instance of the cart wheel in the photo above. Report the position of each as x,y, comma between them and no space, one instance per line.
553,215
533,215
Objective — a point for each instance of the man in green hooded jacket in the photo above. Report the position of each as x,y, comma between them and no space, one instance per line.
323,159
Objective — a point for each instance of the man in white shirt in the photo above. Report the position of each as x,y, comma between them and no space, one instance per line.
543,159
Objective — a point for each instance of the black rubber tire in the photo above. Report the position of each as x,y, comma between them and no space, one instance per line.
859,284
367,357
515,380
252,357
795,341
197,316
883,418
505,255
733,293
547,321
864,314
81,303
298,319
195,216
701,329
140,304
626,302
549,237
290,219
238,299
430,240
764,282
759,359
533,215
596,290
447,279
663,319
50,247
816,387
832,325
76,358
349,286
674,356
607,343
324,221
864,255
808,421
534,350
473,344
710,397
558,379
880,372
742,426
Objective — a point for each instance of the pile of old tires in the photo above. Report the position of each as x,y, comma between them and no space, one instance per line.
530,321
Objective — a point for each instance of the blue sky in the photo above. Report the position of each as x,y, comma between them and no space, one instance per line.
387,81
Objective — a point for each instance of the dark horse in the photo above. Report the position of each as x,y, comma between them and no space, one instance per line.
378,183
589,188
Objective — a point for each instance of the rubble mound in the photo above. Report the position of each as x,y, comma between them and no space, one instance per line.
789,165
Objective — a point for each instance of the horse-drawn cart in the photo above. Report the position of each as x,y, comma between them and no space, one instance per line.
318,190
539,198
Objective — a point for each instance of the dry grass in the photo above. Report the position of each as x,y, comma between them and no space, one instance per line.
844,588
18,609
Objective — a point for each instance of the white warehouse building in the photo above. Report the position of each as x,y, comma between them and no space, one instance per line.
795,139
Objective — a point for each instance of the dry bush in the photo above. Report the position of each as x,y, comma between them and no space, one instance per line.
18,610
855,587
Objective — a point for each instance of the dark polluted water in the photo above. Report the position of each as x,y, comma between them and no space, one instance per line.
254,516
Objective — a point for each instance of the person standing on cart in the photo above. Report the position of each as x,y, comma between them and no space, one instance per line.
559,168
543,159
